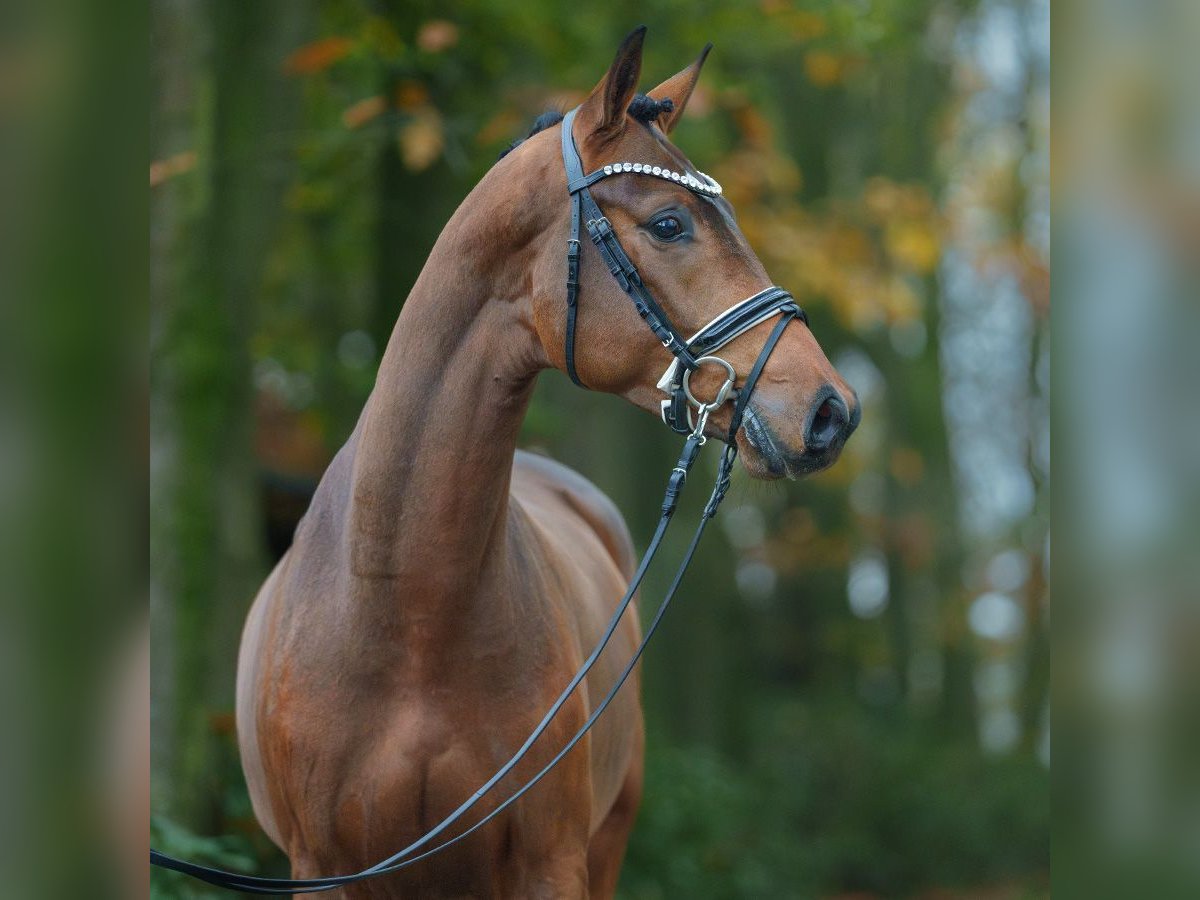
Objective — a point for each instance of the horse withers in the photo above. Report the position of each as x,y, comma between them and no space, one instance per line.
444,587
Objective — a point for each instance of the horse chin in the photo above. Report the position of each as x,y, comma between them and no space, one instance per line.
759,450
766,458
757,464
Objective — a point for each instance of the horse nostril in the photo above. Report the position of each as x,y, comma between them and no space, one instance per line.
827,424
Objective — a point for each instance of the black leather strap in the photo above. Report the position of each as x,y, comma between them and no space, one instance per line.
725,469
584,208
626,274
745,315
574,250
574,185
747,388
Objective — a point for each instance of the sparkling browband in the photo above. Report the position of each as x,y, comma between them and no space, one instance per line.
708,186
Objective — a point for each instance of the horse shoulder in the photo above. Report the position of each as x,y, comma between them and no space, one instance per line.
562,489
582,530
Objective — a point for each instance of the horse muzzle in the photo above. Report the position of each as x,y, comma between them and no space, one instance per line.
828,423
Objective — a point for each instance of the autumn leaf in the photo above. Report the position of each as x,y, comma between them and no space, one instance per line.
754,127
422,139
913,245
437,35
822,67
363,111
802,24
881,197
900,301
164,169
411,94
317,56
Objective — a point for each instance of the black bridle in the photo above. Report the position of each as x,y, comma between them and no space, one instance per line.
691,353
677,413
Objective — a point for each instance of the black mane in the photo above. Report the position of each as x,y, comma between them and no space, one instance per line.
541,123
642,108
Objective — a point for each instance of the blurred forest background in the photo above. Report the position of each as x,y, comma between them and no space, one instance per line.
851,697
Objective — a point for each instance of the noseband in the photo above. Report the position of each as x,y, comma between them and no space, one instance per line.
677,412
690,354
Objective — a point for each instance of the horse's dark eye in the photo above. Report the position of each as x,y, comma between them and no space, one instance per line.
667,228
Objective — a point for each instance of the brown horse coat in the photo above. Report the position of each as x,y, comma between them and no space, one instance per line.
443,588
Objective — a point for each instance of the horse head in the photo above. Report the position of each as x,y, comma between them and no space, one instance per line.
693,258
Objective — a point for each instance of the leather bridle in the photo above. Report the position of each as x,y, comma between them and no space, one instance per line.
677,411
690,353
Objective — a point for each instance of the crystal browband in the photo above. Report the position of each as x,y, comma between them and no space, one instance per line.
700,183
704,184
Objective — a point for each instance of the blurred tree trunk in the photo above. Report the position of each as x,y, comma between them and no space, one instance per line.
407,202
219,104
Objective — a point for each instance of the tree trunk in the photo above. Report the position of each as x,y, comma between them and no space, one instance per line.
218,94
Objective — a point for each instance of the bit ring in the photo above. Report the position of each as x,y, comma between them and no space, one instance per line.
722,393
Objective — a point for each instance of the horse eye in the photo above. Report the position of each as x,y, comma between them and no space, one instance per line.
667,228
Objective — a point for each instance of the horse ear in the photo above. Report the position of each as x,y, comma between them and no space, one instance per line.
678,89
603,112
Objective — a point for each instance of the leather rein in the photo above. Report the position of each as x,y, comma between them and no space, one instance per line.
681,411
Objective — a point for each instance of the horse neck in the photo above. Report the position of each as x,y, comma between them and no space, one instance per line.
436,440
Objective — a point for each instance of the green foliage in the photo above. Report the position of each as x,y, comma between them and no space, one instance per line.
861,805
174,839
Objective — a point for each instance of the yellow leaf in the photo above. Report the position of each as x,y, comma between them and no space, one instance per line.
881,198
901,301
317,56
363,111
913,245
822,67
437,35
163,169
755,129
422,140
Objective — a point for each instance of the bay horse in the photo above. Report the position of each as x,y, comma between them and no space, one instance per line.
443,586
